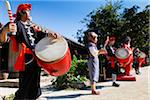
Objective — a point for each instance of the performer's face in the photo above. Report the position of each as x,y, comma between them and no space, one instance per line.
92,36
25,15
112,42
95,39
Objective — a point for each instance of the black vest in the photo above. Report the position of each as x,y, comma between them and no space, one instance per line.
23,37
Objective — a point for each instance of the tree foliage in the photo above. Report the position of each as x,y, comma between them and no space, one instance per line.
136,25
110,20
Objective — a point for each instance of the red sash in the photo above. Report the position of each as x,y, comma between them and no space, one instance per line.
20,63
112,59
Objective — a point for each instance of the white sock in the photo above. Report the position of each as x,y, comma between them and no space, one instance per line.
114,77
139,69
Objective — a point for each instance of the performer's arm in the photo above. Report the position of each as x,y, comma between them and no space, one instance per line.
3,34
9,27
53,35
48,33
95,52
102,51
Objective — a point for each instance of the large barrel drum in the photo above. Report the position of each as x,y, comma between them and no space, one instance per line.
53,55
123,55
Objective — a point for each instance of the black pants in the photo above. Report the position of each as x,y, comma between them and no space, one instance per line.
114,70
29,83
136,66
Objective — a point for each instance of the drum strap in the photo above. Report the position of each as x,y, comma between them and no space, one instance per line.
20,63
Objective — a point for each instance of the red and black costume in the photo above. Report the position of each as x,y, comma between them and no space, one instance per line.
29,75
29,70
136,60
112,62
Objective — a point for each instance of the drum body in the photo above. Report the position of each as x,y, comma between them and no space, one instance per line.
53,55
141,58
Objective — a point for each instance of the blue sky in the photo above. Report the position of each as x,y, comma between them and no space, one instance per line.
62,16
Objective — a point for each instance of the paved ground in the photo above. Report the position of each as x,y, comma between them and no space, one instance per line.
128,90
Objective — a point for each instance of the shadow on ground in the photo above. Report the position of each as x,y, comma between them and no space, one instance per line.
97,87
52,88
65,96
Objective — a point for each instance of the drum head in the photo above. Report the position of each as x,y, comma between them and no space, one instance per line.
49,50
122,53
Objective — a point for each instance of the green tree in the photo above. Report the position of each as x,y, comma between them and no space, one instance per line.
136,25
104,21
109,20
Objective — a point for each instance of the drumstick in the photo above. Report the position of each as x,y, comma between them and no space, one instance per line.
9,11
10,14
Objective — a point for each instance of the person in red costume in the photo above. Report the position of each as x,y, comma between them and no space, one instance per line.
136,52
111,58
26,64
128,64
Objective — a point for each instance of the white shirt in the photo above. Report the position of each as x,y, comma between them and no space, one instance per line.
93,50
113,51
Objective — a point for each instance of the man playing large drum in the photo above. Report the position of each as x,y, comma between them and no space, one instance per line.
112,62
28,37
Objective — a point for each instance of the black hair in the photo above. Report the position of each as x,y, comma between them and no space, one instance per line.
1,25
18,17
127,39
19,14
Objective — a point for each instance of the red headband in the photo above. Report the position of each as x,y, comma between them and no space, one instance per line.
22,7
112,38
